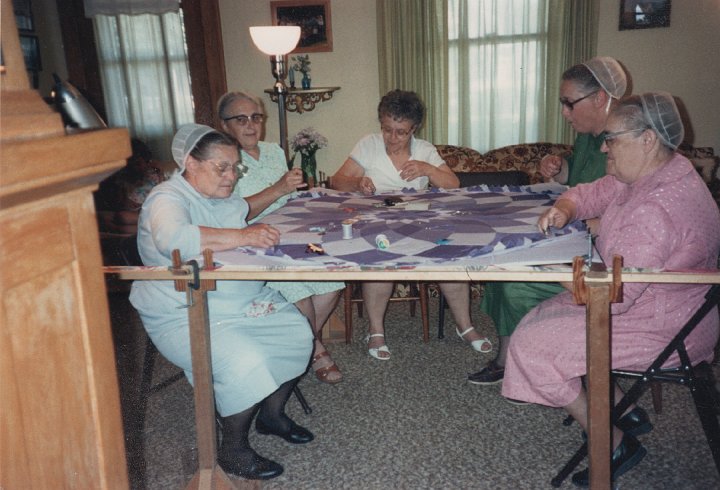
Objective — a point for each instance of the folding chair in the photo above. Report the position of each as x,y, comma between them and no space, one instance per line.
699,379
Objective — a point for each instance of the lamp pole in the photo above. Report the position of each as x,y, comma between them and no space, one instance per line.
280,89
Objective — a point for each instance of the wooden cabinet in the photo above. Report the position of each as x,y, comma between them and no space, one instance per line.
60,419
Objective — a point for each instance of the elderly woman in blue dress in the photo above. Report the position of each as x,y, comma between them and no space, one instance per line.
260,343
268,185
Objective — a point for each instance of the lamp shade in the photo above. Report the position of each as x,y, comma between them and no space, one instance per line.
275,40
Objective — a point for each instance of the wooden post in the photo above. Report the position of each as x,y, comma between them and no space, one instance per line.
598,381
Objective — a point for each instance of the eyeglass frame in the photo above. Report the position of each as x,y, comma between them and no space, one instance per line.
237,168
571,104
243,120
609,137
402,133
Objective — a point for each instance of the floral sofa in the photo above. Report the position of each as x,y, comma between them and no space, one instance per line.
527,156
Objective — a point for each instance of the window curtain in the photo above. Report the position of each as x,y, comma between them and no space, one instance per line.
497,65
572,39
145,76
412,54
129,7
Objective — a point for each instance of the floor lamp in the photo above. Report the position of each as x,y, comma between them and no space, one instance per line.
277,41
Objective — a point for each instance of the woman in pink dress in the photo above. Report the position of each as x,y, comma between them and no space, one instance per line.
656,212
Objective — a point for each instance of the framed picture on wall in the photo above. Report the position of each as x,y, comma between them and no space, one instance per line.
313,18
644,14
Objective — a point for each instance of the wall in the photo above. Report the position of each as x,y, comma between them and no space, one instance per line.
352,65
683,59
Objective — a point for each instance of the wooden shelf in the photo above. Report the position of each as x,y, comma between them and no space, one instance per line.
299,100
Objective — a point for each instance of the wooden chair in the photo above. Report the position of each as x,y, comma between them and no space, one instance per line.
699,379
416,292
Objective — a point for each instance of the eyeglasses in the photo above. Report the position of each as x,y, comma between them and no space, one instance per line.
236,168
243,120
571,104
608,137
402,133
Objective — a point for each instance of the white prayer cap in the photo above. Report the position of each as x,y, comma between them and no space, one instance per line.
663,115
609,74
185,140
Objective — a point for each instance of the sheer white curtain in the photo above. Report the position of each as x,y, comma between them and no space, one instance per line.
497,59
145,76
129,7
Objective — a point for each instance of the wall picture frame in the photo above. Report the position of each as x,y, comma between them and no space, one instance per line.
644,14
313,18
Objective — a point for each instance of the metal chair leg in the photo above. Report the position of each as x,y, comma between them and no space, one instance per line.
303,403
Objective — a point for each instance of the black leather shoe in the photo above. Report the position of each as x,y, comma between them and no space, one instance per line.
489,375
629,453
294,435
258,468
634,423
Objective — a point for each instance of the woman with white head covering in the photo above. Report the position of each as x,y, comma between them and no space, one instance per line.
260,343
657,213
587,92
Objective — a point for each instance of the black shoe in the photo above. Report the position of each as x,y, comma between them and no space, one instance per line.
489,375
629,453
294,435
634,423
253,468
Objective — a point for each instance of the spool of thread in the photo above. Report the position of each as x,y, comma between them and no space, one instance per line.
382,242
347,230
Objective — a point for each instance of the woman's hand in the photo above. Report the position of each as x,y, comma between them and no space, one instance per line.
366,186
550,166
260,235
557,216
412,169
292,180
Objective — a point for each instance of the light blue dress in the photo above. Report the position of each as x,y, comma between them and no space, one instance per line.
258,340
262,174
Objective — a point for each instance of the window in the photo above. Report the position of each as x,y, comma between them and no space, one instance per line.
496,71
144,71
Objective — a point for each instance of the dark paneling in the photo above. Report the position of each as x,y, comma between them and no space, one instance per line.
78,40
205,56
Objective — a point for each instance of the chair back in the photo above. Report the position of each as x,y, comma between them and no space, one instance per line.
501,178
128,251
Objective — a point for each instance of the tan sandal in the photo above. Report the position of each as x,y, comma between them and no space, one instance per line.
323,373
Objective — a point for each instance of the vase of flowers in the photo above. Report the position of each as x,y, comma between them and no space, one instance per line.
302,64
307,142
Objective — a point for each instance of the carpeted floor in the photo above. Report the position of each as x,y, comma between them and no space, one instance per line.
415,422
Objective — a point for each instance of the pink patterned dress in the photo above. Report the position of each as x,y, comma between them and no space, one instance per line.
666,220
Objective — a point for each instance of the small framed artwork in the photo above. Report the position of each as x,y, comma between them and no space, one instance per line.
313,18
23,15
31,52
644,14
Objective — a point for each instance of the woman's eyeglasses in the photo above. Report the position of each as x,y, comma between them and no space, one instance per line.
236,168
608,137
570,104
402,133
243,120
